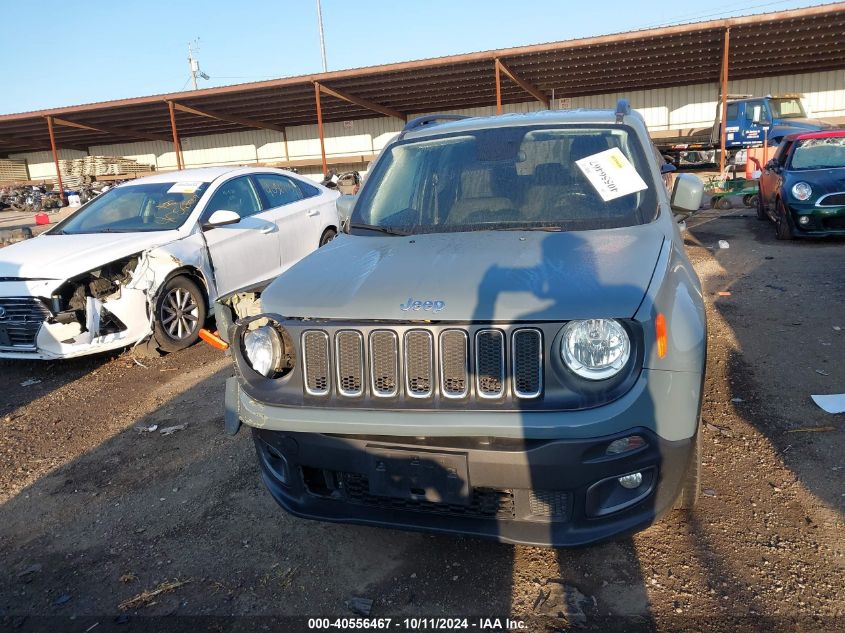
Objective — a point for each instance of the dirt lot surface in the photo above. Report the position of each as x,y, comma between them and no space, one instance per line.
95,510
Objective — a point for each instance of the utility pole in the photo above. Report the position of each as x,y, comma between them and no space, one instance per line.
322,40
194,63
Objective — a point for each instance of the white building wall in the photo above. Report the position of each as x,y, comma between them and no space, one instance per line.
41,165
664,109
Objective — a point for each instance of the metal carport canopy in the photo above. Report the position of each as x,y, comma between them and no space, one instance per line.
788,42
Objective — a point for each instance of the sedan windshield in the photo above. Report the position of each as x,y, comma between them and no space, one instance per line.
143,207
819,153
510,178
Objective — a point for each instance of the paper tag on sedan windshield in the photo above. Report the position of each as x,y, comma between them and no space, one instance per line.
184,187
611,173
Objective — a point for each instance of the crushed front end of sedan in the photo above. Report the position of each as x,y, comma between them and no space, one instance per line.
103,308
509,341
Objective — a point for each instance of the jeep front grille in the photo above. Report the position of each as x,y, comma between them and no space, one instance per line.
315,348
454,365
527,363
384,363
20,321
350,362
490,363
417,363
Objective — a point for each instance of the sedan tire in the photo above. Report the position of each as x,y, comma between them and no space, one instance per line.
328,236
180,313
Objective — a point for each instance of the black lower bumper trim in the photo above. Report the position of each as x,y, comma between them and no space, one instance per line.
539,495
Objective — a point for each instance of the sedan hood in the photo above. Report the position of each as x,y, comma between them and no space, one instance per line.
65,256
477,276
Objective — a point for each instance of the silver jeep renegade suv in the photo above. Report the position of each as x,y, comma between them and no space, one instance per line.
507,340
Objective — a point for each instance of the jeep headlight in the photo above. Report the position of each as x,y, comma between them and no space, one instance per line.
263,350
802,191
595,349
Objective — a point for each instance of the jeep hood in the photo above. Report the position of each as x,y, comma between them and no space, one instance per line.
480,276
65,256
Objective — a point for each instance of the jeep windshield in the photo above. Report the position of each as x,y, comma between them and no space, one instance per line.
558,178
137,208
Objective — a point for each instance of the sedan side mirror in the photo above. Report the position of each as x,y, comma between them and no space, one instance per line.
687,193
221,217
345,204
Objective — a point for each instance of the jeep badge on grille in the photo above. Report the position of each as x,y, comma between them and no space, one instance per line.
417,305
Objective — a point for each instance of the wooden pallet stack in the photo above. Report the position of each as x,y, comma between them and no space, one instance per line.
12,171
78,171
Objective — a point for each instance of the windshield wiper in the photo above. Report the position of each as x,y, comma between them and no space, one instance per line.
547,229
379,229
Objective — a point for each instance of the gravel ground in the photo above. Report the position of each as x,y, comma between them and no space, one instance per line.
95,509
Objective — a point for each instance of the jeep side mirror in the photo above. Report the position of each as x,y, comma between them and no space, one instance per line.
221,217
345,204
687,193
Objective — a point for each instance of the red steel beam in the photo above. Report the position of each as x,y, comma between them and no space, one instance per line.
526,85
120,131
213,114
320,129
363,103
177,146
724,99
498,87
56,158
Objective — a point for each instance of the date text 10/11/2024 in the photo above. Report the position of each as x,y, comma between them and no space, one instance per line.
488,625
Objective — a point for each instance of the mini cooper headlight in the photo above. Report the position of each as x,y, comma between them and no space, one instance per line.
595,349
802,191
263,350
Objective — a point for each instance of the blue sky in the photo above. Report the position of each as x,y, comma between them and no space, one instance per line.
58,53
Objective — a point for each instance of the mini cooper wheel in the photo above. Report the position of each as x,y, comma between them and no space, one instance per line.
761,212
783,226
180,313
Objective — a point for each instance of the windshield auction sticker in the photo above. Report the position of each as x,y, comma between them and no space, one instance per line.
611,173
184,187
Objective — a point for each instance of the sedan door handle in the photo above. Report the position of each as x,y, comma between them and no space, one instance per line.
268,228
313,212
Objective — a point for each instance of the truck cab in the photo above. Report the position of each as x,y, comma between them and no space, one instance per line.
751,120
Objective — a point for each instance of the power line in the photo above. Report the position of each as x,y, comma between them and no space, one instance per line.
700,15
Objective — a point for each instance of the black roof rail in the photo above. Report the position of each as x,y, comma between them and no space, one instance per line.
430,119
623,107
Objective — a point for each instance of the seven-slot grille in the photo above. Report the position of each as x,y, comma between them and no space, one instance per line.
21,319
421,362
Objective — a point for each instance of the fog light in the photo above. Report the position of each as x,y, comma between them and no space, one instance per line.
631,481
804,219
625,444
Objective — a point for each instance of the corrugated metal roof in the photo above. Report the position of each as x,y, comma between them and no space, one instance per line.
788,42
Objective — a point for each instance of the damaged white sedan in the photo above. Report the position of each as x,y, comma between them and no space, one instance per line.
148,258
